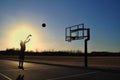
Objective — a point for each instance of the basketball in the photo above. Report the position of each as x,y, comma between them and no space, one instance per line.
43,25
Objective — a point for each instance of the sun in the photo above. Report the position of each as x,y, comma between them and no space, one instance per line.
20,33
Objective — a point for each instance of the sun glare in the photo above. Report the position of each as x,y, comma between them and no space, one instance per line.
20,33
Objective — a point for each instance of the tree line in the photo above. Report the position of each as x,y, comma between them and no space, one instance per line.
58,53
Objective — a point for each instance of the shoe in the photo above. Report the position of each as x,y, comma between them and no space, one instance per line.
22,67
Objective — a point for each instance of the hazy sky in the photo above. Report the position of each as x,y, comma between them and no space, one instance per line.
18,18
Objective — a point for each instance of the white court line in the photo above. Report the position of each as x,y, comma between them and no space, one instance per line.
15,70
5,76
69,76
9,70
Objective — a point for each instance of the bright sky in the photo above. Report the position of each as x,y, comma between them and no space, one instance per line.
19,18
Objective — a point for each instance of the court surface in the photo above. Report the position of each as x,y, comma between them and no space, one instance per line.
38,71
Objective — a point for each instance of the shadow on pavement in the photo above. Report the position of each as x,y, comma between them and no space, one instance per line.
78,67
20,77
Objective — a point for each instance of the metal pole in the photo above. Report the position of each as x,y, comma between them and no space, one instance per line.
86,58
86,53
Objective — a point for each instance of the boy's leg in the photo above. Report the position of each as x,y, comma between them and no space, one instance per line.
19,63
22,61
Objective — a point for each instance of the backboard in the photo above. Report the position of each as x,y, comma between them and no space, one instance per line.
75,32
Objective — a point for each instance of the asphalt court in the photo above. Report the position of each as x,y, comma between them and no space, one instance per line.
33,71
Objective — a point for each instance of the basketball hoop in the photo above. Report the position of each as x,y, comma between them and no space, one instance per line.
78,32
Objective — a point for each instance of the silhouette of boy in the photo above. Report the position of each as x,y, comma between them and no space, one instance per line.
22,52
